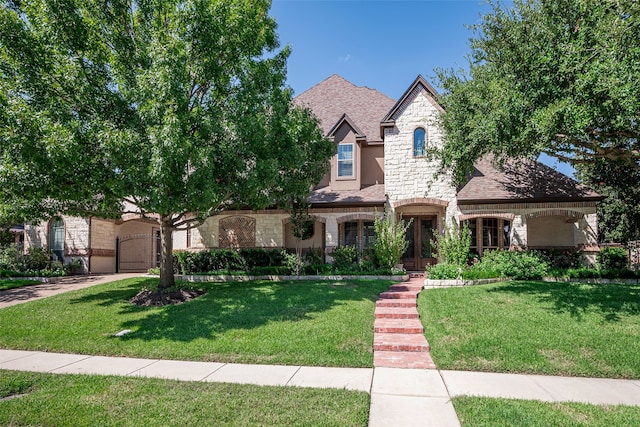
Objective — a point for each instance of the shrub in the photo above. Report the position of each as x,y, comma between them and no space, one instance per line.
453,245
271,271
293,262
10,258
391,241
317,269
524,265
226,260
563,258
344,257
37,258
260,257
480,271
313,256
445,271
612,258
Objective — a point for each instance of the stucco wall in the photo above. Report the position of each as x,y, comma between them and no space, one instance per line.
372,165
103,234
345,135
550,232
101,265
291,242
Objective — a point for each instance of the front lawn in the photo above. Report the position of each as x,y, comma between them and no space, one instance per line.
293,323
483,411
6,284
87,400
572,329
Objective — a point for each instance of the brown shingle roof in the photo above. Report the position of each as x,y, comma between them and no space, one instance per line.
371,195
521,180
333,97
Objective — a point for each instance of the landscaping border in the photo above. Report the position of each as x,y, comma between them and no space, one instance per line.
230,278
433,283
594,281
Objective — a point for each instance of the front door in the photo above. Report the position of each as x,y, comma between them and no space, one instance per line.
419,234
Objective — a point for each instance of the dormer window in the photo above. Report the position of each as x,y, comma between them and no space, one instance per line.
419,145
345,161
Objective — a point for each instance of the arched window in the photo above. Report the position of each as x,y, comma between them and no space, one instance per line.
419,144
56,238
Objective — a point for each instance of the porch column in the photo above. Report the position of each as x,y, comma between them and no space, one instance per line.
519,232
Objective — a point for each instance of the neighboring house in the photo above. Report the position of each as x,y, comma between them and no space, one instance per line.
380,163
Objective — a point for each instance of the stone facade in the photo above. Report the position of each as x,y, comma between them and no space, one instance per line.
408,177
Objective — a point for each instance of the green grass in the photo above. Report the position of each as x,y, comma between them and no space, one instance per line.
6,284
480,411
570,329
293,323
84,400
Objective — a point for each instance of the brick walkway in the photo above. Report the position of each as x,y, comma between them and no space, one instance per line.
398,340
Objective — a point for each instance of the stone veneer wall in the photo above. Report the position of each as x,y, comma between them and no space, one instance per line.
269,232
270,228
76,238
406,176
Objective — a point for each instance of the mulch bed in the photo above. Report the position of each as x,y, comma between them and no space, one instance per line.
148,298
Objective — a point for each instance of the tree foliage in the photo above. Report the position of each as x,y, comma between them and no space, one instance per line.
619,213
453,244
176,110
391,239
560,77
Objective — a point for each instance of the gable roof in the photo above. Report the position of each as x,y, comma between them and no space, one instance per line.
345,119
419,85
522,180
334,99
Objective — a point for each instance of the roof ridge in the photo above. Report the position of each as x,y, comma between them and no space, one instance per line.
323,81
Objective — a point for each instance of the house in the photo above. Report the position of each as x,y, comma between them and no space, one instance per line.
380,163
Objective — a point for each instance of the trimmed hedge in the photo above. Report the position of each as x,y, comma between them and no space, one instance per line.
249,259
264,262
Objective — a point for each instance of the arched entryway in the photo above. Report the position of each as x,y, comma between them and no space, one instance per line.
425,218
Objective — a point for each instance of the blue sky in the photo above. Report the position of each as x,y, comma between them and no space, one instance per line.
382,44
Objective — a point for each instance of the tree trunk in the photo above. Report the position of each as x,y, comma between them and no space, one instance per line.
167,279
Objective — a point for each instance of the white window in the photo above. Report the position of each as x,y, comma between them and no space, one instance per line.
345,161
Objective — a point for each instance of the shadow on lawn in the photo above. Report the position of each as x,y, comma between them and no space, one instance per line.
610,300
228,306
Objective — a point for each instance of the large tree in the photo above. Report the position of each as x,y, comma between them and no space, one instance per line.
560,77
175,110
619,213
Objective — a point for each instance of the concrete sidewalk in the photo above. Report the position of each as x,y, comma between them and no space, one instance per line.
399,397
273,375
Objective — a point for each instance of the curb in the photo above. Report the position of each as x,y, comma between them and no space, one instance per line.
433,283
